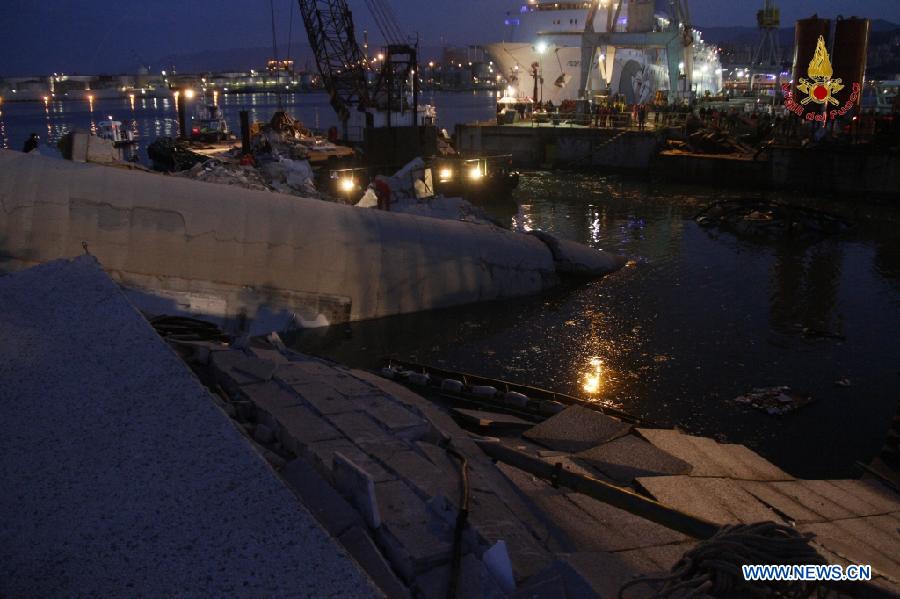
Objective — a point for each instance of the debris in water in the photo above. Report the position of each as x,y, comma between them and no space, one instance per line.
844,382
775,401
770,220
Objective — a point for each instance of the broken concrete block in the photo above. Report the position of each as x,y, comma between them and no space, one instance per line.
396,418
412,539
269,400
320,498
321,454
362,548
241,368
298,428
323,397
576,429
357,486
629,457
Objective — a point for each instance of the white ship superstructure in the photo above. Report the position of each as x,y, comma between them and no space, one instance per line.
543,44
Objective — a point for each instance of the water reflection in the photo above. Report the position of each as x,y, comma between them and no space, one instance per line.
696,320
592,377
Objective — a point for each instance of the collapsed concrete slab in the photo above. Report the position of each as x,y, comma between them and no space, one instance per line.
232,254
118,473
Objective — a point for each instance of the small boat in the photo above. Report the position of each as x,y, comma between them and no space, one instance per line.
209,125
113,131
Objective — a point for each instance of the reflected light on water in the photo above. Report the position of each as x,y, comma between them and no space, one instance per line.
131,99
592,378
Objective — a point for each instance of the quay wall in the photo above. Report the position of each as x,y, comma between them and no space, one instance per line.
544,146
854,171
183,246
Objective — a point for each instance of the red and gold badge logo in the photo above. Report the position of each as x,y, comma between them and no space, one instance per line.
820,87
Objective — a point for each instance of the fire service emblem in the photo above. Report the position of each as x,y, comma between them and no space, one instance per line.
820,87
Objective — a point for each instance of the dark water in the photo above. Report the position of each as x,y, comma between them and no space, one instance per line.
150,118
694,321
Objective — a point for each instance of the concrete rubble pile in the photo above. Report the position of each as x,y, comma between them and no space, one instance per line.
369,459
226,173
411,195
118,474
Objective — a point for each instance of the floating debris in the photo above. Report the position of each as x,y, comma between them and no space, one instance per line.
775,401
771,220
844,382
225,173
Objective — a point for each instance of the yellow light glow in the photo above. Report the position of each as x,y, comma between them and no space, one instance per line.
189,93
593,376
347,184
476,173
131,99
215,97
445,174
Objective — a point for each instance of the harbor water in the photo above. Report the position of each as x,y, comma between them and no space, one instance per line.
150,117
697,318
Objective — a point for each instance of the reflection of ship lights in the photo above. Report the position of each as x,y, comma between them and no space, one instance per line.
131,99
592,377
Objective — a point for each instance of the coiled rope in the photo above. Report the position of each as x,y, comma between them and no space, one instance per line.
713,567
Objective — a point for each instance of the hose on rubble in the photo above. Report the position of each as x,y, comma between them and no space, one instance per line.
461,520
713,567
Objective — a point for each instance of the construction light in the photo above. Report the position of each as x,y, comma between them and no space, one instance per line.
189,93
476,173
347,184
445,174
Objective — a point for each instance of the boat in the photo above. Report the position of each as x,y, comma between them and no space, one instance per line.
113,131
541,56
209,125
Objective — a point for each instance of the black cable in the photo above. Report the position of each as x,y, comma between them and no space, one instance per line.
461,520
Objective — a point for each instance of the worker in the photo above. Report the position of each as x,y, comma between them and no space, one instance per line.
383,193
31,143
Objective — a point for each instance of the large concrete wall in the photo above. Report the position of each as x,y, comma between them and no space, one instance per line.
188,246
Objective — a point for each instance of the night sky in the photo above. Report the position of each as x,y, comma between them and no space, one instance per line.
42,36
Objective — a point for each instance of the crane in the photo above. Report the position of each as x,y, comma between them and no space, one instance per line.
768,53
329,27
344,66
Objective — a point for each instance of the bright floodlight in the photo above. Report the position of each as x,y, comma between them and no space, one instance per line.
475,173
445,174
541,47
188,93
347,184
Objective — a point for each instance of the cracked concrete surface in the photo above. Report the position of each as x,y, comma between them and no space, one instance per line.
220,251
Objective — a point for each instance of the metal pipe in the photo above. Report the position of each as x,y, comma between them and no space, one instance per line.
615,496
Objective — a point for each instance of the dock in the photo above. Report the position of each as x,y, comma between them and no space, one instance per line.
850,171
